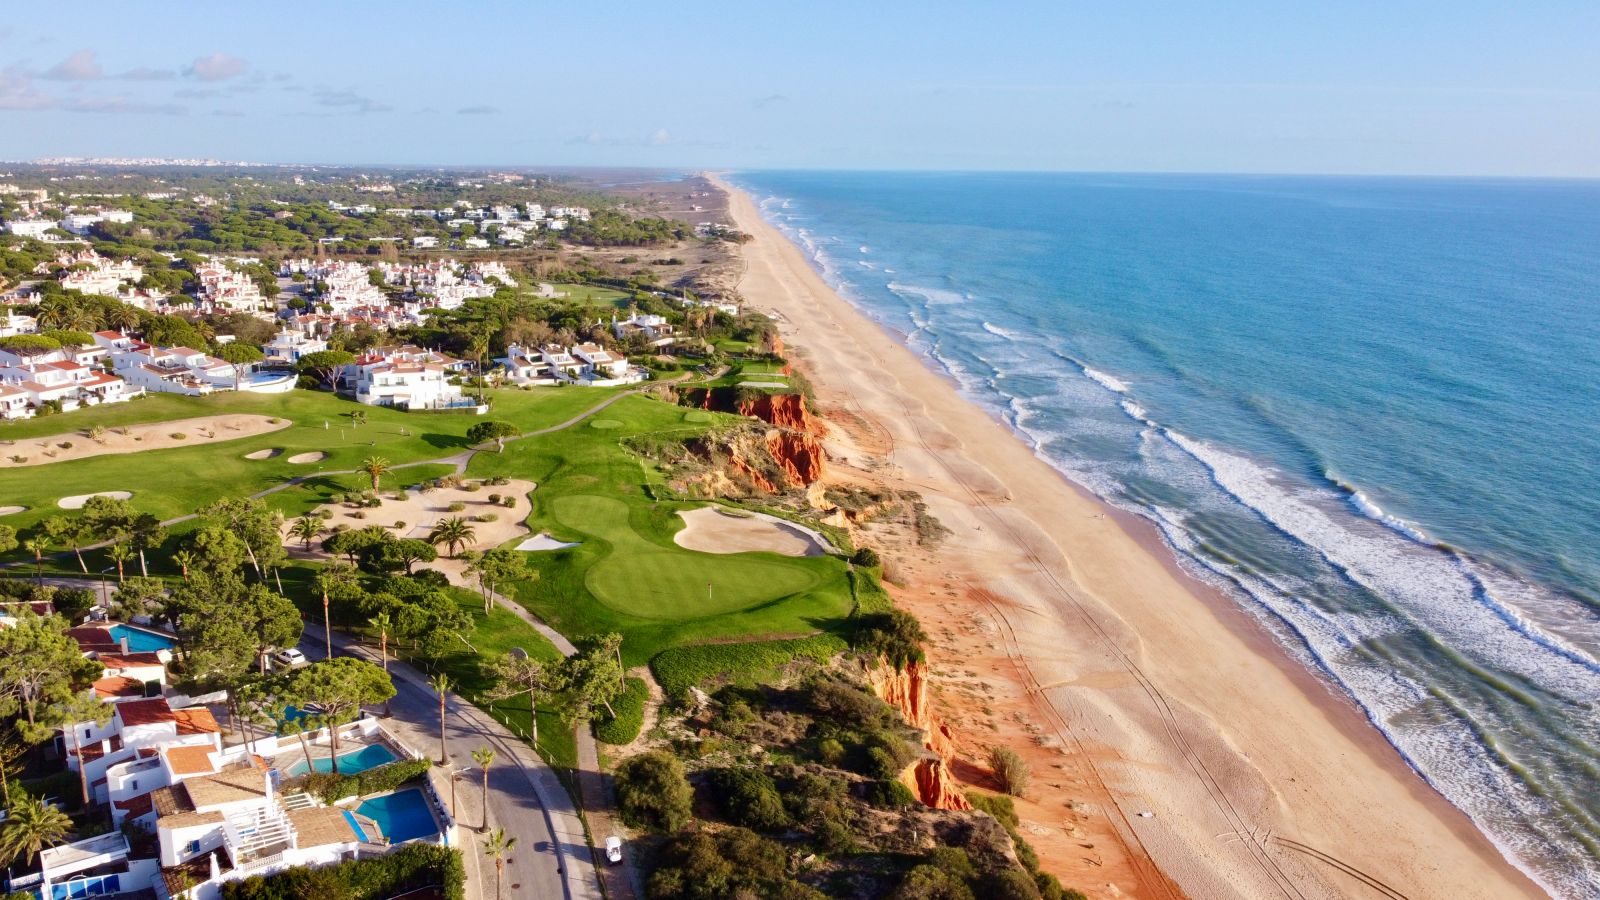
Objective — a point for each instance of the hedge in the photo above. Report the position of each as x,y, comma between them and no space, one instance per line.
629,719
681,668
332,788
410,868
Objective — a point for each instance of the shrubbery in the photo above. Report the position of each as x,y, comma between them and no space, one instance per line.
629,718
654,793
731,863
331,787
681,668
410,868
749,797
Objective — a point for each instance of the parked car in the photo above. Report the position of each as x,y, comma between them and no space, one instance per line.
614,850
288,659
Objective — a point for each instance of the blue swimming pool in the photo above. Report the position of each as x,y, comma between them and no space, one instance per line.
350,762
141,640
356,826
403,815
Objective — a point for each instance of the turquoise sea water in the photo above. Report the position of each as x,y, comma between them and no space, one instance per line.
1369,409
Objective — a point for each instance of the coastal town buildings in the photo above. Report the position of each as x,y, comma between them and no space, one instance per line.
407,377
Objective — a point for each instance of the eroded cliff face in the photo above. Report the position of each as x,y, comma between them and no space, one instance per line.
793,442
907,691
935,785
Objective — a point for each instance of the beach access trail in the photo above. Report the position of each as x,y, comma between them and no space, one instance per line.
1191,755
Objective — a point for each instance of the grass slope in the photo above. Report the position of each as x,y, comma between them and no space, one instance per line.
627,575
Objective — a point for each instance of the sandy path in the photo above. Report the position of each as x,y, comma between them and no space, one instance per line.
710,531
134,438
1079,633
420,511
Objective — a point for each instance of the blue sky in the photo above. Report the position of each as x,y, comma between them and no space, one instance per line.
1370,87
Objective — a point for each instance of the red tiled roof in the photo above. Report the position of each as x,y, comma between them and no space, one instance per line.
118,686
196,720
147,712
128,660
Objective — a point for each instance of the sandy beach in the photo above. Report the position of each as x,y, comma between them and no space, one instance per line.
1177,750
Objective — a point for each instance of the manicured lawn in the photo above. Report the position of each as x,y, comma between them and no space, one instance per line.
176,481
644,579
626,575
592,294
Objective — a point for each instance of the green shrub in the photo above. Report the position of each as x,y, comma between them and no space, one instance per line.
681,668
866,556
410,868
332,788
654,793
895,635
749,797
889,794
629,719
457,506
1010,770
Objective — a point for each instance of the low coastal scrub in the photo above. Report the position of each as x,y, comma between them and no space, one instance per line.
414,867
680,668
332,787
623,727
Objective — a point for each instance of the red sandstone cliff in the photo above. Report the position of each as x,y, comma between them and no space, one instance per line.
907,691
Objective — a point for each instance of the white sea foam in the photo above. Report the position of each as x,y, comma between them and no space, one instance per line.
1108,382
1006,333
864,248
1420,584
933,296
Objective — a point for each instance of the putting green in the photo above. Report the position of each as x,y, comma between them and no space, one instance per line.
697,415
643,579
605,424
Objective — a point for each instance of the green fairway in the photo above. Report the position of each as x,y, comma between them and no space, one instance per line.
176,481
627,575
642,579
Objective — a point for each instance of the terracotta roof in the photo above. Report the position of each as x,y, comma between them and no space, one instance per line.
148,712
196,720
118,686
170,801
227,786
190,760
136,806
128,660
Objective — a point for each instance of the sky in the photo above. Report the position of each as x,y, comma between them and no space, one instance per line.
1397,87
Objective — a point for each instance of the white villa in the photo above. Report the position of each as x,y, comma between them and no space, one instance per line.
408,378
656,330
289,346
27,385
583,364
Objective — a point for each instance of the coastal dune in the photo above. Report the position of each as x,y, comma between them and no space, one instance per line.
1179,751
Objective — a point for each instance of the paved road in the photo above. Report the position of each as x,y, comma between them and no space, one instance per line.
552,857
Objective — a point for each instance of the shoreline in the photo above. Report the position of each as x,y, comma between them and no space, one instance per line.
1181,705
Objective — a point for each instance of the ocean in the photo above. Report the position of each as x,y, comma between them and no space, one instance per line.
1367,409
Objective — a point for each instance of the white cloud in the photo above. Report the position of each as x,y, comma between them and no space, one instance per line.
351,102
216,67
80,66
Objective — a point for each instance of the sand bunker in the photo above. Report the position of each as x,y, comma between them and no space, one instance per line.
92,441
313,456
268,453
544,541
77,501
12,510
710,530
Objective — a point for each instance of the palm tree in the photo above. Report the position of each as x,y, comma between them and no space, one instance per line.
441,684
183,559
376,467
32,825
454,532
484,757
37,546
306,528
497,846
382,624
119,554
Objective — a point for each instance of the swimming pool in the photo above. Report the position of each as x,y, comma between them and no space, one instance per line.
369,757
142,641
356,826
403,815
